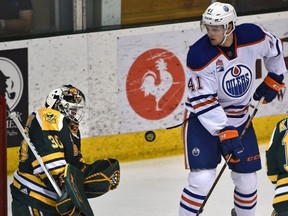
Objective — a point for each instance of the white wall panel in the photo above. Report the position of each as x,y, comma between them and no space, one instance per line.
98,63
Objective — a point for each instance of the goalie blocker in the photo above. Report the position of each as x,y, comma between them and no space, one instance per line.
98,178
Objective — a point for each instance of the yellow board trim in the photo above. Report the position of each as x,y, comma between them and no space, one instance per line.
133,146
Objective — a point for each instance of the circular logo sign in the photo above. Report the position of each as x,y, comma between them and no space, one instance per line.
155,84
12,83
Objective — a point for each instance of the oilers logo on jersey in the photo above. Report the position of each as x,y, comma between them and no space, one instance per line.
237,81
195,151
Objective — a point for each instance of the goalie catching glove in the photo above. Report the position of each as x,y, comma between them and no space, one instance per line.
101,176
231,144
269,87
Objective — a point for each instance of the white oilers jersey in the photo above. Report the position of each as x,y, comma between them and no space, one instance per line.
220,81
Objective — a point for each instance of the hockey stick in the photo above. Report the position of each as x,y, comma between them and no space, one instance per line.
228,159
13,116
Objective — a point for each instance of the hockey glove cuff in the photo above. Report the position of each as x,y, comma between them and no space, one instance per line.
231,144
269,87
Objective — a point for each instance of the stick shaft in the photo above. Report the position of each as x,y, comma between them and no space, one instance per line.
252,116
13,116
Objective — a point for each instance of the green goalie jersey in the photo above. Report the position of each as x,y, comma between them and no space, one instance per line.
277,164
58,144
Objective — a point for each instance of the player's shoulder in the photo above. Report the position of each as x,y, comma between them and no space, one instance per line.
249,33
282,125
48,113
201,53
49,119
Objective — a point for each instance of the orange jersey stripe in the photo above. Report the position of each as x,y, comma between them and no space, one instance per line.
205,103
235,112
245,201
190,201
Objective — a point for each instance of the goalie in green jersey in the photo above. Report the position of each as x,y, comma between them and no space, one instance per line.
277,167
54,132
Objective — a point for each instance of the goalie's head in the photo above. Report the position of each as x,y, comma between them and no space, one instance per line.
69,101
219,14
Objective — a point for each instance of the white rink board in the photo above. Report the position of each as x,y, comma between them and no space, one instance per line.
97,63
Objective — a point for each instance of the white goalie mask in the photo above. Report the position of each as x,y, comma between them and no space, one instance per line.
69,101
219,14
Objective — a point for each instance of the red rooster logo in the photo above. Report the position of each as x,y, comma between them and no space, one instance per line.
149,85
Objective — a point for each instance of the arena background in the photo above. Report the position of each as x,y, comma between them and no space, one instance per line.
101,65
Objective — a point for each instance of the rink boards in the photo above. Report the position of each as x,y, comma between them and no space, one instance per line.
134,146
104,65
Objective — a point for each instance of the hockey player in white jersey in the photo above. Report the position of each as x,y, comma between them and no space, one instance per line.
220,79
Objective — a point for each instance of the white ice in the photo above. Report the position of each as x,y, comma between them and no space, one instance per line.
153,188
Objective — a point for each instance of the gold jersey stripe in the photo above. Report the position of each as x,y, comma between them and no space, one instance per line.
280,199
44,199
273,178
49,157
36,212
37,196
282,181
32,178
16,184
53,172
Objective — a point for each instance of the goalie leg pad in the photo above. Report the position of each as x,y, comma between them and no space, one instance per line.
74,179
101,176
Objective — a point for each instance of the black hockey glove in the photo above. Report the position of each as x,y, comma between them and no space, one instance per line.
269,87
101,176
231,144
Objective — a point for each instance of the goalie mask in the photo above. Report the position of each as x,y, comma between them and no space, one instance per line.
69,101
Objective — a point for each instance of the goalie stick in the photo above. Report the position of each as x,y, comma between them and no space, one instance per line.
226,161
13,116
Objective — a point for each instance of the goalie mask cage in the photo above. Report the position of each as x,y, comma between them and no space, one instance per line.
3,157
